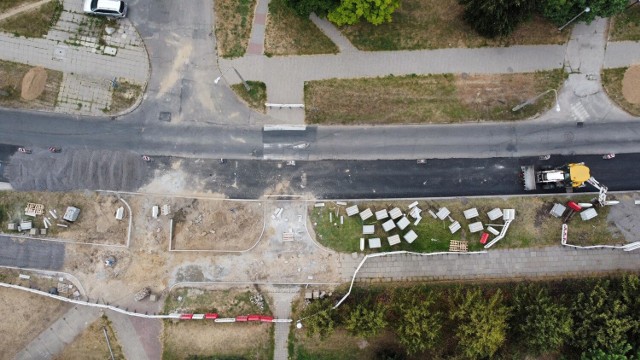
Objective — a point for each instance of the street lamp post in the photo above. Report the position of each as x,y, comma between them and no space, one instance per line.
586,10
534,99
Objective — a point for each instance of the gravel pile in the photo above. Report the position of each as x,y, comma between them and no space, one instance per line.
77,170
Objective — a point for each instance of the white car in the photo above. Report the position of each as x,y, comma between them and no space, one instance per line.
111,8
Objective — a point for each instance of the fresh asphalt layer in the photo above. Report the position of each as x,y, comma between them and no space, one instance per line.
325,179
44,255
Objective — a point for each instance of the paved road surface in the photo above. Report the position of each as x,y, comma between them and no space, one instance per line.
44,255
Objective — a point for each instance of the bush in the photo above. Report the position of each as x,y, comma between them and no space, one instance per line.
318,318
321,8
492,18
366,322
418,326
539,322
481,323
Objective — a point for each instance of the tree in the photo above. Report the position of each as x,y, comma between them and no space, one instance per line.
318,318
493,18
561,11
351,12
418,327
630,294
539,323
321,8
481,323
600,320
366,322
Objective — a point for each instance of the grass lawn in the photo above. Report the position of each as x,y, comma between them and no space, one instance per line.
626,26
533,226
205,339
445,98
11,75
34,23
233,26
435,24
288,33
612,83
256,97
91,343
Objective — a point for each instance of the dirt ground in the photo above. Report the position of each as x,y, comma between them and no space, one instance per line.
92,345
205,338
216,224
11,75
631,84
96,223
29,315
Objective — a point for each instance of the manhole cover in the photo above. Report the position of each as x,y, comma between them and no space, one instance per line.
569,136
165,116
59,52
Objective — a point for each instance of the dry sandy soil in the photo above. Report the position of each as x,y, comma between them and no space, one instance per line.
11,82
28,315
96,223
631,84
216,224
185,338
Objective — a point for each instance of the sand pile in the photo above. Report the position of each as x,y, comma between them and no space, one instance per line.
33,83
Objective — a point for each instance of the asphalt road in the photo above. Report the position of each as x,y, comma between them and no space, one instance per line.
44,255
319,143
245,179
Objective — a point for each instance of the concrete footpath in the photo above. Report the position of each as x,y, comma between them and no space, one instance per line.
551,261
53,340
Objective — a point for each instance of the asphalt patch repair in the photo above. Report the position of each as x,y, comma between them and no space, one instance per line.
77,169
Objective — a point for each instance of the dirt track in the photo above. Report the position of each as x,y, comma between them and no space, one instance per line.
77,169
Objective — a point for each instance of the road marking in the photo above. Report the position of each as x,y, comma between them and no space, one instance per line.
284,128
578,112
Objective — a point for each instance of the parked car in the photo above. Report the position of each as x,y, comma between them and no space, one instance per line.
111,8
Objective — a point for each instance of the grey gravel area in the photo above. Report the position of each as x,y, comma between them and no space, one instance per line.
31,254
77,169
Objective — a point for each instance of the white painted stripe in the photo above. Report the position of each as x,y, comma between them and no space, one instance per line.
284,127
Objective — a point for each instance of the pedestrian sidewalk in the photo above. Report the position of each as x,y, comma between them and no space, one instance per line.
89,59
256,39
552,261
53,340
334,34
282,310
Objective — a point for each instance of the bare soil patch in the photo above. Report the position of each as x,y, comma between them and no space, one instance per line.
287,33
92,345
24,317
96,223
631,84
6,5
445,98
33,83
11,87
233,26
216,224
124,96
204,338
612,81
435,24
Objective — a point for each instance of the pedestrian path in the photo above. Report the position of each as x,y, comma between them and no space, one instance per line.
334,34
258,28
282,304
495,264
53,340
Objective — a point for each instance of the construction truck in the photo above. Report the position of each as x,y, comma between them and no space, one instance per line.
569,177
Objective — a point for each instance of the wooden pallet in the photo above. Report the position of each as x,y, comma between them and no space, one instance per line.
458,246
